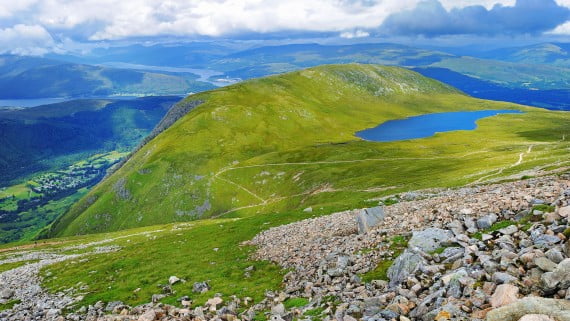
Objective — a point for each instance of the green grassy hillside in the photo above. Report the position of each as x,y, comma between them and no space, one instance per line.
287,142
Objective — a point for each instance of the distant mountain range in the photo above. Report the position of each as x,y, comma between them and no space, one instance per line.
538,75
33,77
555,53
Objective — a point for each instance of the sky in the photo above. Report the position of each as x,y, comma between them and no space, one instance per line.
36,27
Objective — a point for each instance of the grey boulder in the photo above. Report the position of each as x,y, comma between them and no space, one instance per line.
431,239
368,218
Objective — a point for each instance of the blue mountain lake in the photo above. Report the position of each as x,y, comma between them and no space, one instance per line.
427,125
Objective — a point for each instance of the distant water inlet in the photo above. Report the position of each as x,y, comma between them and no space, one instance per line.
427,125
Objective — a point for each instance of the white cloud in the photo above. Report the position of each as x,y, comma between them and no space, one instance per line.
112,20
10,7
354,34
562,30
26,40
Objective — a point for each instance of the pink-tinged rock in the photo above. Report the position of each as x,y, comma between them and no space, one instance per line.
504,294
564,211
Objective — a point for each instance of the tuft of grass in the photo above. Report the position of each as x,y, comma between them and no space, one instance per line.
495,227
295,303
397,244
544,208
380,272
9,305
314,312
438,250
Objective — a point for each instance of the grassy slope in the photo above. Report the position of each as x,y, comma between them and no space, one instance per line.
214,161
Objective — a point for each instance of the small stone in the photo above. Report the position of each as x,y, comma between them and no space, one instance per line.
511,229
545,264
149,315
554,255
501,277
213,303
278,309
564,211
200,287
486,237
486,221
6,294
308,210
173,279
504,294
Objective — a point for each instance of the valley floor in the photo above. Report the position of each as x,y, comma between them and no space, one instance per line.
498,251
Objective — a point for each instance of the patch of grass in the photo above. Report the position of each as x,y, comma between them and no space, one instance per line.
397,244
390,201
544,208
380,272
209,251
10,304
295,303
438,250
10,266
314,312
495,227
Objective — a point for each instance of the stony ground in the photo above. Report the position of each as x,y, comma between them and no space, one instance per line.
453,267
495,252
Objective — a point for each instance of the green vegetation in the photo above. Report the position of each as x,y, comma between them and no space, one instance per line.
51,137
287,142
397,245
295,303
10,266
27,208
8,305
255,154
207,250
495,227
544,208
439,250
380,272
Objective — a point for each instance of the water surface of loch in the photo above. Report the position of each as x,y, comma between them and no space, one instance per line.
427,125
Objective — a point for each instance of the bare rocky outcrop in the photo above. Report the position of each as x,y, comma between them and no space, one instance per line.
496,252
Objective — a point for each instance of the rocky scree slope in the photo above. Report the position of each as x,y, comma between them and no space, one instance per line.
495,252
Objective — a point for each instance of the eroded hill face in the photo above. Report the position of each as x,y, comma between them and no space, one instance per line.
287,142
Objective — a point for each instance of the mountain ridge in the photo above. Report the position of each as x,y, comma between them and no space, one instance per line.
211,162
